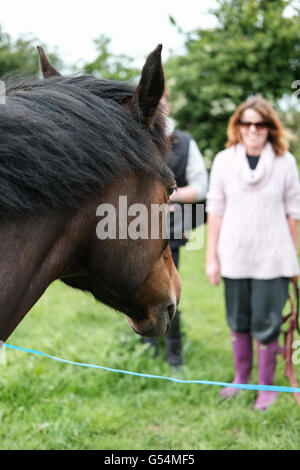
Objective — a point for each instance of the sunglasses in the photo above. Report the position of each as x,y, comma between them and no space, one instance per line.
259,126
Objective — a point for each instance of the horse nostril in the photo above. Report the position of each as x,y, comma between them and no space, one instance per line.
171,310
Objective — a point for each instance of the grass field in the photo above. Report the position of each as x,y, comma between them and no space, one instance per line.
48,405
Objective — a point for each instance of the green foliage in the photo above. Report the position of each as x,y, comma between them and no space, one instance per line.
111,66
255,48
21,55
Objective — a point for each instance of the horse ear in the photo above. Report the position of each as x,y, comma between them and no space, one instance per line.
150,88
46,68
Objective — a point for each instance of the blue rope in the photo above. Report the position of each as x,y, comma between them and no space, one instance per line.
150,376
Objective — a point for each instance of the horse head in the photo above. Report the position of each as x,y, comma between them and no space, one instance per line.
115,134
137,277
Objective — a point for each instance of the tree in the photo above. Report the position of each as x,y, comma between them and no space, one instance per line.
255,48
111,66
21,55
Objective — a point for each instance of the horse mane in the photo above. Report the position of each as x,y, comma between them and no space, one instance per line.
64,138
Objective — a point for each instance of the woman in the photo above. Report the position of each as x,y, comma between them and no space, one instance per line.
253,207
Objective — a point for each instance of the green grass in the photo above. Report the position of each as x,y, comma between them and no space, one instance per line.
48,405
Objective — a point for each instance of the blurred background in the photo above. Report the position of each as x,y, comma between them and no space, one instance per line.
216,53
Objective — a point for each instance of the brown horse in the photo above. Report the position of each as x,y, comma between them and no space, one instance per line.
68,145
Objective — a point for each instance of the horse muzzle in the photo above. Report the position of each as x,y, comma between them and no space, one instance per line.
156,321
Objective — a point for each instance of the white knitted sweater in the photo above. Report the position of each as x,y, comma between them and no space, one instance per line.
255,240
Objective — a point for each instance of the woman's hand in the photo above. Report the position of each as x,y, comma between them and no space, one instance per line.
213,270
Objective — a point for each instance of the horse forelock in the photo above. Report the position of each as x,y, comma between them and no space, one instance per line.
64,138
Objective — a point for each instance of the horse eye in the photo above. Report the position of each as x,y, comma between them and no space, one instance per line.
171,190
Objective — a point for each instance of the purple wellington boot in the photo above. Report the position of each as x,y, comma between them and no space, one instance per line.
266,356
242,354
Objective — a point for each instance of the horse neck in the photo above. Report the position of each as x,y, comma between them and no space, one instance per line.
33,252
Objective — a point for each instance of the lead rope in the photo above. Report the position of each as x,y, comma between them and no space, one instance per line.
288,336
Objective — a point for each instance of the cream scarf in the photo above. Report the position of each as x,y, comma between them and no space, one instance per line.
253,179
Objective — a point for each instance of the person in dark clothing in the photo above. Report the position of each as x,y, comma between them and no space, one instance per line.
190,173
